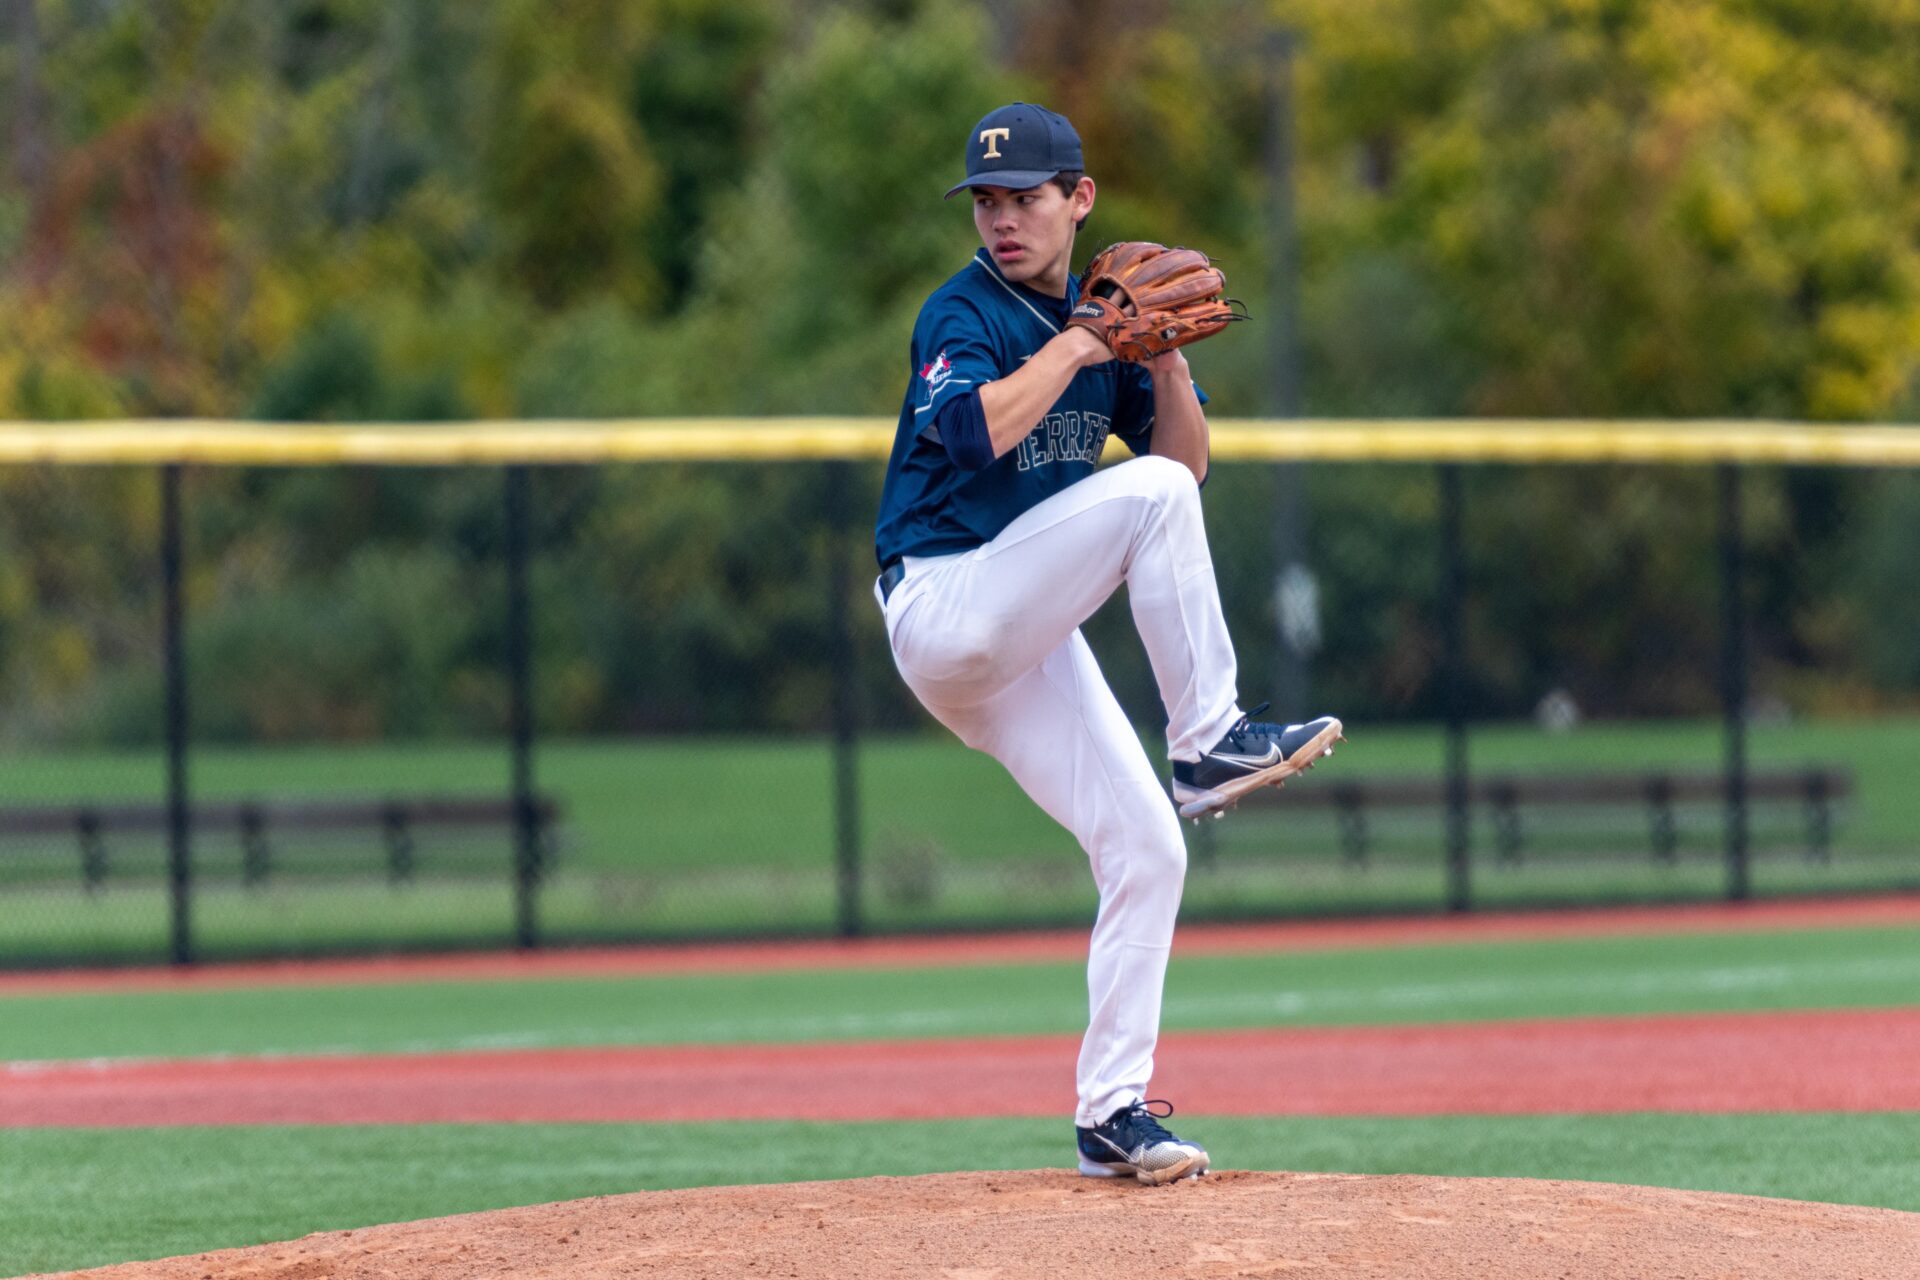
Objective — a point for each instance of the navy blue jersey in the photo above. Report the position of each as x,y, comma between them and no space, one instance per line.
979,327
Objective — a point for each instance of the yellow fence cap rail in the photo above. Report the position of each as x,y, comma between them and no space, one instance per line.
1572,441
219,443
444,443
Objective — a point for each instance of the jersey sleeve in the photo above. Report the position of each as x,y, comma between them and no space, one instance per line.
1133,408
953,356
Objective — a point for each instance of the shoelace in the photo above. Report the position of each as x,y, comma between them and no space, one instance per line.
1246,725
1146,1122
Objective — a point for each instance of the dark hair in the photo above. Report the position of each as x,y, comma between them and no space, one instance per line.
1068,181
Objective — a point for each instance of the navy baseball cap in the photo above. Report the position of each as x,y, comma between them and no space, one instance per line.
1019,146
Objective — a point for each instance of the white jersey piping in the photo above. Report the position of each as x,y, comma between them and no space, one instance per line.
995,275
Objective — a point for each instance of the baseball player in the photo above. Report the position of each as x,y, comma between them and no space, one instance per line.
997,537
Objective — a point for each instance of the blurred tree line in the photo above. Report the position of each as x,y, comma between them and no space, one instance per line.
419,209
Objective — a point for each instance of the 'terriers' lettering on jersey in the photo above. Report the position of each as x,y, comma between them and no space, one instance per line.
1064,437
976,328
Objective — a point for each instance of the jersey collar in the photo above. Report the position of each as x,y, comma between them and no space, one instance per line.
1044,306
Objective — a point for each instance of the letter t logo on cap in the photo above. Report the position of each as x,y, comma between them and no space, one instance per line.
991,137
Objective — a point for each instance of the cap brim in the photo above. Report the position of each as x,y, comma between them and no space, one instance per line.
1013,179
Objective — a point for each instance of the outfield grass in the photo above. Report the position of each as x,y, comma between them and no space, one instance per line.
698,804
78,1197
99,1196
1456,982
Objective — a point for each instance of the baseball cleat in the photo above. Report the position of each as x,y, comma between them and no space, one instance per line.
1251,755
1133,1141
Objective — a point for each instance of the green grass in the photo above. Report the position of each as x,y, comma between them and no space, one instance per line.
695,804
1706,972
79,1197
101,1196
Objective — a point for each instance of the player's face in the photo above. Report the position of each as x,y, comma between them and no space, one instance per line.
1030,233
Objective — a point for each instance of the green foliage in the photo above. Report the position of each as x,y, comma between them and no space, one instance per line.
585,365
1882,606
78,596
818,263
331,372
386,647
689,597
421,209
1650,209
707,58
574,185
335,373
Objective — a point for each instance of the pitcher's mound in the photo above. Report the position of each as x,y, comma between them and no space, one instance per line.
1051,1225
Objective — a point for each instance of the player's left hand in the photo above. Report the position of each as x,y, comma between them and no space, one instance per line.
1168,364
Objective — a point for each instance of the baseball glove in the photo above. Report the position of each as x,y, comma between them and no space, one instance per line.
1142,299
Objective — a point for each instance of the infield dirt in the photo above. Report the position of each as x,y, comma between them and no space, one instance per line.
1820,1060
1041,1225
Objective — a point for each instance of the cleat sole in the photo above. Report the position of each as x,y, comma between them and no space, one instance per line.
1194,1166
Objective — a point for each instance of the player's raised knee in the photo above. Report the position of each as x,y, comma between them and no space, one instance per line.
1164,478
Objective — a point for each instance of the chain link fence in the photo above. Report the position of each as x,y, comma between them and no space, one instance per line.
255,711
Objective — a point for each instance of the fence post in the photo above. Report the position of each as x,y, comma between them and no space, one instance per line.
173,647
846,708
1294,601
1733,680
1453,676
526,832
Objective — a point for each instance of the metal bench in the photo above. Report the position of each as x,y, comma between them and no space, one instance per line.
396,820
1816,787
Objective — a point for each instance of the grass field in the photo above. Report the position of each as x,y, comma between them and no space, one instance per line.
71,1197
700,804
682,838
1690,973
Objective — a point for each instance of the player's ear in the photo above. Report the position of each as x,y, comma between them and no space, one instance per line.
1082,200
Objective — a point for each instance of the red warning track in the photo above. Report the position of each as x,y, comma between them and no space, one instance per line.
1057,946
1855,1060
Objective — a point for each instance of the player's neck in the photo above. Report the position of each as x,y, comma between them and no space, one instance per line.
1053,281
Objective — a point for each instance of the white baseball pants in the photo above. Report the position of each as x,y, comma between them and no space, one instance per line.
989,641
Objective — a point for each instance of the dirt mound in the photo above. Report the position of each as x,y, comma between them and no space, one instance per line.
1048,1224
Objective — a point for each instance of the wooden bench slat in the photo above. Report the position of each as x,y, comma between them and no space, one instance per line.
307,814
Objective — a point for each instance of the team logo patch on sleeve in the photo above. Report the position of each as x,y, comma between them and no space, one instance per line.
938,370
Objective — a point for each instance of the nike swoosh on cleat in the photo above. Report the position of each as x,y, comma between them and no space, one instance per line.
1274,756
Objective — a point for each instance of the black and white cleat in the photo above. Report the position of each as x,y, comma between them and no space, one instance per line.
1251,755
